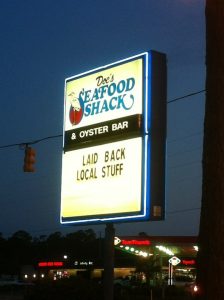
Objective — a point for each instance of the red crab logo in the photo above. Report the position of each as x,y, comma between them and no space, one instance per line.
76,109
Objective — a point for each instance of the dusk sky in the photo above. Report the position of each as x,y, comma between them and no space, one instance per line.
45,41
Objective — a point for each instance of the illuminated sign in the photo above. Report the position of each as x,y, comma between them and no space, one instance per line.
104,94
174,261
188,262
83,263
133,242
136,242
50,264
114,141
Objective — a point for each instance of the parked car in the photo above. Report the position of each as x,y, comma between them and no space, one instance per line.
122,282
14,282
184,281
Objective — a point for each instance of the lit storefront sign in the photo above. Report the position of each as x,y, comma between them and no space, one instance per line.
188,262
85,263
114,142
50,264
136,242
131,242
174,261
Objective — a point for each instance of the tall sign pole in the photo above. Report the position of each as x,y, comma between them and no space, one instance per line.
211,245
108,276
114,147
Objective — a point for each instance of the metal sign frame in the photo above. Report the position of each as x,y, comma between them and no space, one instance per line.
145,127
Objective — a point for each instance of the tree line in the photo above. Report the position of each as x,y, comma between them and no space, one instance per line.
23,249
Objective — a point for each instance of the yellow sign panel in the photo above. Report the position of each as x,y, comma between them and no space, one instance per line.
102,179
104,95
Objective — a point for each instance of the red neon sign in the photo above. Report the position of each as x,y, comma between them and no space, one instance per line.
50,264
136,242
188,262
58,263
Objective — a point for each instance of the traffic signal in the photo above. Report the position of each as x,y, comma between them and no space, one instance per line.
29,160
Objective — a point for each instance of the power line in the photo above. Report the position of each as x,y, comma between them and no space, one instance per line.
60,135
32,142
46,138
186,96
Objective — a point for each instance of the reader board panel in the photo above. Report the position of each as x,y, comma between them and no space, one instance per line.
104,182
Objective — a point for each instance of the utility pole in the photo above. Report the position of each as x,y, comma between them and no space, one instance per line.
211,243
108,277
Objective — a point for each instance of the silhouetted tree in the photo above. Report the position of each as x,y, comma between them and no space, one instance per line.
3,251
81,244
150,266
143,234
19,250
55,245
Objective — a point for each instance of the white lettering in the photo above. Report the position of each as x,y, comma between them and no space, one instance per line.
93,131
120,125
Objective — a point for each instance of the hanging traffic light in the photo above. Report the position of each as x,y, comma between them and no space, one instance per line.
29,159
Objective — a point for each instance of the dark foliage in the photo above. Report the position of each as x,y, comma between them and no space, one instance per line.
22,249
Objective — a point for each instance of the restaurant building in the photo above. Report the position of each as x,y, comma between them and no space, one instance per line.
160,257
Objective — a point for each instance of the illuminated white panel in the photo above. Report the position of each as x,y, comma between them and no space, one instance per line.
104,94
102,180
